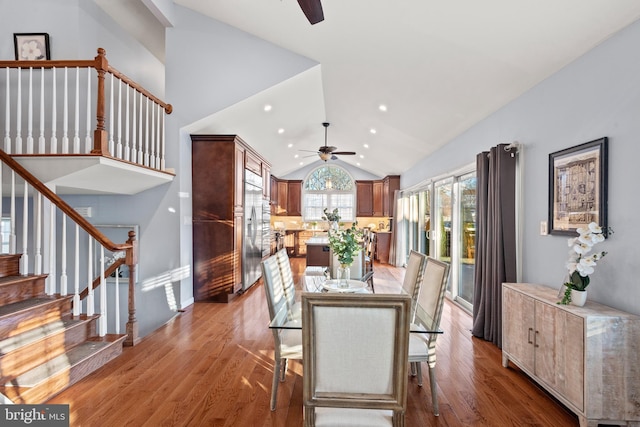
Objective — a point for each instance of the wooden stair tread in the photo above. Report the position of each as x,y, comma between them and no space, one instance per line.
10,280
17,341
62,363
15,307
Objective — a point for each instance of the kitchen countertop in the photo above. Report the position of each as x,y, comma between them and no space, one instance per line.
318,241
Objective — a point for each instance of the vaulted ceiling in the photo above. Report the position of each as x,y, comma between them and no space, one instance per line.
438,67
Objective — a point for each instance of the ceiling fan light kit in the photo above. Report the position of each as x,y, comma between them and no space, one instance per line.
328,152
312,10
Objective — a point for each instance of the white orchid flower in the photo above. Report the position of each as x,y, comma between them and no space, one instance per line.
584,270
586,239
582,248
597,238
595,228
572,241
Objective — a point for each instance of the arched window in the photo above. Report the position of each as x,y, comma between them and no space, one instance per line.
328,187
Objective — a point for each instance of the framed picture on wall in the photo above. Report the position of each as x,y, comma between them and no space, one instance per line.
578,187
31,46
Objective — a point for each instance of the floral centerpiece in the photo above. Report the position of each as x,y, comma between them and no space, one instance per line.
345,244
580,265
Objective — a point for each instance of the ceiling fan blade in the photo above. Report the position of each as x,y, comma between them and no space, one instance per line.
327,149
310,151
312,10
345,153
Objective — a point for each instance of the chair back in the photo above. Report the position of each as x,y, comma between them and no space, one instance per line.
433,288
355,350
287,276
273,286
413,276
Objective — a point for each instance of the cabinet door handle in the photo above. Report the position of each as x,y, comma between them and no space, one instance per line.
535,340
529,336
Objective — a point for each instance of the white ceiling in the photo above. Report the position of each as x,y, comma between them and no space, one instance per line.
439,66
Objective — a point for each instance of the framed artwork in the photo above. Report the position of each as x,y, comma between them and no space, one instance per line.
578,187
117,234
31,46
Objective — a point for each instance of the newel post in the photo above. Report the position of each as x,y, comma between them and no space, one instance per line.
100,137
131,260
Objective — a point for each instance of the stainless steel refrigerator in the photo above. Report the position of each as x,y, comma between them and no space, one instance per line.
253,229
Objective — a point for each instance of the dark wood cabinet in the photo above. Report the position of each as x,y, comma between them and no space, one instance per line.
218,169
282,197
364,198
383,245
390,183
378,199
294,198
274,194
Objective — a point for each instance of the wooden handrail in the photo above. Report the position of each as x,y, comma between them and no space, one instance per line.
62,205
100,63
107,272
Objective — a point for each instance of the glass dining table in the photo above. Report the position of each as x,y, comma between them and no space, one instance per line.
290,317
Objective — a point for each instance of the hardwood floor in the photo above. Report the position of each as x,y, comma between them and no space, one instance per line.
212,366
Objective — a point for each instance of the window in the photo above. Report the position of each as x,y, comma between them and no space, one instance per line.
328,187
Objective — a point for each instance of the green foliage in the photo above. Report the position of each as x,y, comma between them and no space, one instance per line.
345,244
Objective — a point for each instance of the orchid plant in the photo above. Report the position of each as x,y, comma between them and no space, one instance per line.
580,265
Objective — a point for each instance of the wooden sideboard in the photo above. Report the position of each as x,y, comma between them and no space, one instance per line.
587,357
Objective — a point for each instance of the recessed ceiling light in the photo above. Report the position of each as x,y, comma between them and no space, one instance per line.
295,156
281,131
290,145
365,145
301,163
373,131
362,156
382,107
358,163
267,107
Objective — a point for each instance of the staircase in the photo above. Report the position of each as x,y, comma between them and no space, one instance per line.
44,348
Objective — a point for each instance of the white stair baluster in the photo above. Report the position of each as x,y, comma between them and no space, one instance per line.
54,114
76,125
50,255
146,137
30,114
134,118
7,116
63,258
116,313
87,139
119,146
127,156
37,218
25,230
163,141
12,234
90,303
76,275
140,151
111,146
19,115
152,157
41,141
65,114
103,296
158,138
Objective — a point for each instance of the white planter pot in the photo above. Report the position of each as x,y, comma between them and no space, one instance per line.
578,298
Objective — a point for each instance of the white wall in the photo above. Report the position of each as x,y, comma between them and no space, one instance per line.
597,95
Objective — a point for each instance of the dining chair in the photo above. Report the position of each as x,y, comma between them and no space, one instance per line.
284,264
287,342
422,347
413,277
355,359
369,253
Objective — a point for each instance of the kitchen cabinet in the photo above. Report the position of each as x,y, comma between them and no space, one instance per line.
364,198
294,198
390,184
584,356
218,172
383,246
378,198
282,197
273,197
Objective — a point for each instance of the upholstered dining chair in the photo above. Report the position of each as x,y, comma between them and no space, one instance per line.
287,342
369,254
422,347
288,283
413,277
354,365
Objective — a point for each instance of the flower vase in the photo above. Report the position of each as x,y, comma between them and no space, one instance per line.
578,298
344,273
